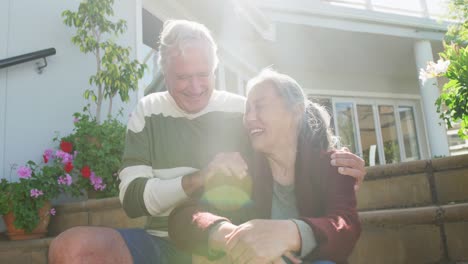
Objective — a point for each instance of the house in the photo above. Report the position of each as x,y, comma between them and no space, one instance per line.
360,58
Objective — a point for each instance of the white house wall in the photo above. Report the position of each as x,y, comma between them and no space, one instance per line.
33,106
4,16
362,85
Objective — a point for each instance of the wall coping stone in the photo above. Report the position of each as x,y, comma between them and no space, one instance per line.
416,215
41,243
447,163
89,205
417,166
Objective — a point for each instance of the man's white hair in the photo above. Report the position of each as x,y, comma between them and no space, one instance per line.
177,35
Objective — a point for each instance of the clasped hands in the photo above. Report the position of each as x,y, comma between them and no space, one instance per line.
257,241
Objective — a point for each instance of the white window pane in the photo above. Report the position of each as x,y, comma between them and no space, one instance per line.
346,125
408,128
367,132
389,134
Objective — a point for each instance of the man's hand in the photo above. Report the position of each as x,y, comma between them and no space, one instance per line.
263,241
349,164
227,164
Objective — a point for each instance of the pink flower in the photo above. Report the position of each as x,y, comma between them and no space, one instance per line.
52,211
48,155
96,181
76,120
24,172
36,193
65,157
67,179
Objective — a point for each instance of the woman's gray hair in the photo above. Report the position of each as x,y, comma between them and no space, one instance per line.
315,123
177,35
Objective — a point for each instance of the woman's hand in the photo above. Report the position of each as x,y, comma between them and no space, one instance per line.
263,241
218,235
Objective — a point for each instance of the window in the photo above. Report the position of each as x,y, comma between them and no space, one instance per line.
380,131
389,134
345,125
367,131
408,130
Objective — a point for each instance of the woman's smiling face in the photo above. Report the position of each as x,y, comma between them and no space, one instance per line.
270,122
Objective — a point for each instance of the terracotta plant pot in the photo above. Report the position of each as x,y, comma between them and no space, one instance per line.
19,234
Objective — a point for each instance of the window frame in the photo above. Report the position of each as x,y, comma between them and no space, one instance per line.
375,103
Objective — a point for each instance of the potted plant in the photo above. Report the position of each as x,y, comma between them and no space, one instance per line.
99,150
99,142
25,204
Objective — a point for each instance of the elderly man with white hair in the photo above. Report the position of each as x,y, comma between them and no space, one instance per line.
175,141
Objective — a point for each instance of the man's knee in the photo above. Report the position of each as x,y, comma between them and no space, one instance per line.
86,243
69,244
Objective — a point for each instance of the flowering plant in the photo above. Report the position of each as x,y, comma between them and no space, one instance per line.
88,159
37,185
99,149
452,103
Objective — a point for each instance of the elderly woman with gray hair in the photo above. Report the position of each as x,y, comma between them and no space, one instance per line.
301,209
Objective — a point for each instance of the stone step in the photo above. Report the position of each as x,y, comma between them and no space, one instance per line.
431,234
93,212
24,252
431,230
415,183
